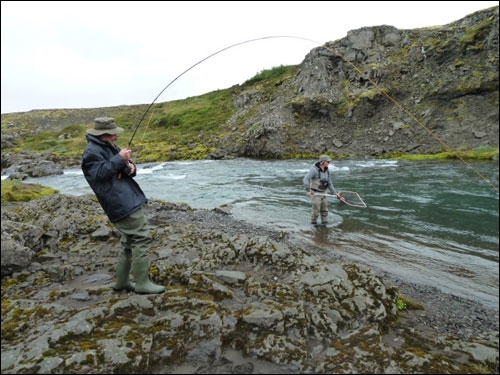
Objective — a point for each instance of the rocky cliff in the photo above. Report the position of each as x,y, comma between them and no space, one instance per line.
378,92
381,91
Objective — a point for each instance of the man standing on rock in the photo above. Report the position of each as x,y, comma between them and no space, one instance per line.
316,182
109,172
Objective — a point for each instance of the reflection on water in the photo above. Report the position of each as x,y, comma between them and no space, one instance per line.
322,234
430,222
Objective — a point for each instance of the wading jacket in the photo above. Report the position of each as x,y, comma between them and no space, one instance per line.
318,180
106,173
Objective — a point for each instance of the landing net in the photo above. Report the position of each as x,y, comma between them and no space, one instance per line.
350,198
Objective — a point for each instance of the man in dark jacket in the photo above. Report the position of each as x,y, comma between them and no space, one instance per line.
109,172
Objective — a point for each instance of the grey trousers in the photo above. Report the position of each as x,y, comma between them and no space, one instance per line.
319,207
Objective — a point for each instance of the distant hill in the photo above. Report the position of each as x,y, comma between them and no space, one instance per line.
377,92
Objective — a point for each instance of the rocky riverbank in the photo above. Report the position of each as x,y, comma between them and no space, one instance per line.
240,299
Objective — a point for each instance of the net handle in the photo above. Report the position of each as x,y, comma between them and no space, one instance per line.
342,199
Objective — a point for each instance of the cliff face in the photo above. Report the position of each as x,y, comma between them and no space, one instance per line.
379,91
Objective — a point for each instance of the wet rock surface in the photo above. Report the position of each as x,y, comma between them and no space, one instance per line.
240,299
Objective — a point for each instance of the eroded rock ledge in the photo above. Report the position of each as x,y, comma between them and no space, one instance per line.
239,299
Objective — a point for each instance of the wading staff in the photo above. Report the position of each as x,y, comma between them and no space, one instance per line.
199,62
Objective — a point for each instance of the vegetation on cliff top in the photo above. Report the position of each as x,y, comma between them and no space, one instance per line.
187,129
177,130
445,78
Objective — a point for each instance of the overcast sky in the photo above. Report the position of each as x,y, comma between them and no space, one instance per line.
98,54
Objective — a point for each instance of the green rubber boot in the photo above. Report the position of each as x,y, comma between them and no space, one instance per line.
123,272
143,284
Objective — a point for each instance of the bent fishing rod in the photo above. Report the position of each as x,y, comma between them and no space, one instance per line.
333,50
202,60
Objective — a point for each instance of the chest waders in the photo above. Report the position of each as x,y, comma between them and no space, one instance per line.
135,240
319,208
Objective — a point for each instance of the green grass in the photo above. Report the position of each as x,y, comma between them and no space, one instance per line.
182,129
17,191
176,130
481,153
188,129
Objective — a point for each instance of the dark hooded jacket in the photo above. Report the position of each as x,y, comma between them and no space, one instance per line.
106,173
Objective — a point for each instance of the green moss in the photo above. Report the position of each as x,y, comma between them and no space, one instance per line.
476,34
481,153
17,191
405,303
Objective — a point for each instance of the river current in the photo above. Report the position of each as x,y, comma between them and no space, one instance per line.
429,222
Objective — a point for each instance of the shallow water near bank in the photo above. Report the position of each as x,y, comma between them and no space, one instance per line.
429,222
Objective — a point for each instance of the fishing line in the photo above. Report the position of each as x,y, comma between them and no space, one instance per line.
204,59
411,115
334,51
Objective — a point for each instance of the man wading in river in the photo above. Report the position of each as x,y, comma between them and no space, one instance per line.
109,172
316,182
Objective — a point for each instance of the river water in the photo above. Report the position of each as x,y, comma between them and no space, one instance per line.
429,222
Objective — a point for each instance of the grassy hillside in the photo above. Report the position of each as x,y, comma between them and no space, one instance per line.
175,130
188,129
